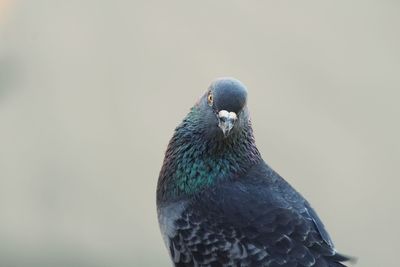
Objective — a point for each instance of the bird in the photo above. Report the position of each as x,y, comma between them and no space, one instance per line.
219,204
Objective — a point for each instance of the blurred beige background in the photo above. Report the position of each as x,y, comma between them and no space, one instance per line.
90,92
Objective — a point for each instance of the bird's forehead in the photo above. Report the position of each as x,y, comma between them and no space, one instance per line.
229,94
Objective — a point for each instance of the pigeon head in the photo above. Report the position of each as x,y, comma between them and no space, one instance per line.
224,107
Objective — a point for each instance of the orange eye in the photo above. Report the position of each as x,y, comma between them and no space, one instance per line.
210,99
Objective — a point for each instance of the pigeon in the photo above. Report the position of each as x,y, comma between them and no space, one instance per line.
220,204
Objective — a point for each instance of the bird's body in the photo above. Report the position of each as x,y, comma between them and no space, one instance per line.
220,204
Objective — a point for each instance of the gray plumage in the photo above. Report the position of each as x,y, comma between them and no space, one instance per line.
220,204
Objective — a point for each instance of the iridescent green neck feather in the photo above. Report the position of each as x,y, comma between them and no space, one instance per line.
195,159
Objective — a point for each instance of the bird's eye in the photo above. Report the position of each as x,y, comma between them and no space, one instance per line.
210,98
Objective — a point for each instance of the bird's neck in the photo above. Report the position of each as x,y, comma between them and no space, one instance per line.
193,163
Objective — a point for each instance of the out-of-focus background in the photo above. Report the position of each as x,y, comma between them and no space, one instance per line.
90,92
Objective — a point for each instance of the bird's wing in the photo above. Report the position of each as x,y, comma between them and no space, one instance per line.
257,222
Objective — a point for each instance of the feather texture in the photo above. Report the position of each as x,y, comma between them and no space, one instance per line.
220,204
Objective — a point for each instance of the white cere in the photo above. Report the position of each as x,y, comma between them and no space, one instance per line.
226,114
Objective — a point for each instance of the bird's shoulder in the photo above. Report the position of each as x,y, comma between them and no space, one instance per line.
259,192
259,196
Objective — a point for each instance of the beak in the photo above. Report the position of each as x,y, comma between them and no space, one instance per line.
226,121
